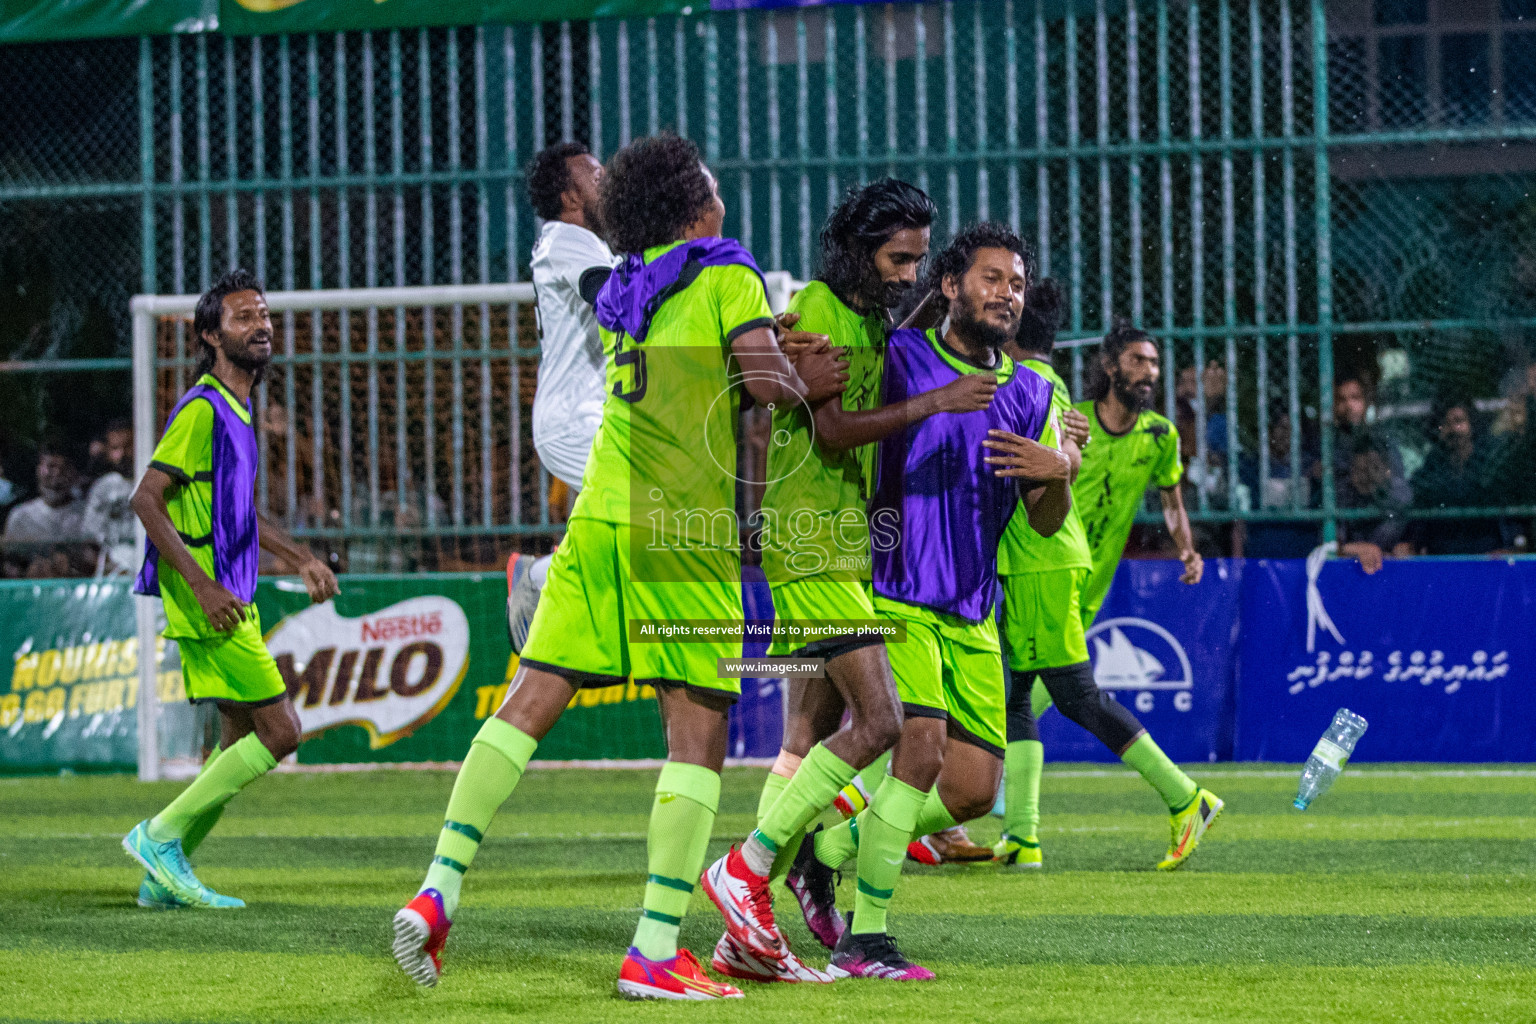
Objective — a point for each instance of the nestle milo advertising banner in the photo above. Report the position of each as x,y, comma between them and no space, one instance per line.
406,668
394,669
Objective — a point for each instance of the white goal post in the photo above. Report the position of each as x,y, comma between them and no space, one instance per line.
148,310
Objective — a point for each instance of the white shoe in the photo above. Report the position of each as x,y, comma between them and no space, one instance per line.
736,961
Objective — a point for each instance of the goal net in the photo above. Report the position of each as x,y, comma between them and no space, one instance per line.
395,434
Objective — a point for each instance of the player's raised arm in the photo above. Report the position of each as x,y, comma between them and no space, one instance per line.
839,429
224,610
1177,521
317,576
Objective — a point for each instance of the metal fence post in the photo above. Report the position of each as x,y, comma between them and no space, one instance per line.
1322,187
144,607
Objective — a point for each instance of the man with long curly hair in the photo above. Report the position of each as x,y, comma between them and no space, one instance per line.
816,534
652,547
948,486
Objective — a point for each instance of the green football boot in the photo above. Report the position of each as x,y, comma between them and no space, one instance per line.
1188,825
168,866
1016,853
154,896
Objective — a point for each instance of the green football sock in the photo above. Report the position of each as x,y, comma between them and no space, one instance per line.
490,773
687,796
244,762
1176,788
814,787
884,834
203,823
1039,699
772,787
1023,762
934,816
839,844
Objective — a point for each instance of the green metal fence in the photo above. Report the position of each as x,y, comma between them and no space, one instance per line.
1285,191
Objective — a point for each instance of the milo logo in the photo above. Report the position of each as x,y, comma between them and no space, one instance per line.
389,671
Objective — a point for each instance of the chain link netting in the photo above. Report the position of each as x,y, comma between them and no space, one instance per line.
1161,157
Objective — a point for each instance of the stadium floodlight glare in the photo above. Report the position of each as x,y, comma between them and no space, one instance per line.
148,313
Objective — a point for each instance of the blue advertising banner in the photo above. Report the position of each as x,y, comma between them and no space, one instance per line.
1168,652
1436,655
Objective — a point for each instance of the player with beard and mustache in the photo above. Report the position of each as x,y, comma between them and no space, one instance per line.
947,486
1053,588
816,542
1130,447
197,501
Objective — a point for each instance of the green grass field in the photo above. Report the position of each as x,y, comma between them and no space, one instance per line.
1403,895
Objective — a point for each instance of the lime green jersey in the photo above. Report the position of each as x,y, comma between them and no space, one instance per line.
1117,470
665,459
813,508
1023,550
185,453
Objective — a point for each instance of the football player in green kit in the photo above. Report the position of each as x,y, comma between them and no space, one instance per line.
816,556
687,330
1053,587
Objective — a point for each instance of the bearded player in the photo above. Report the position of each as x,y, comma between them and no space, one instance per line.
197,501
653,537
1053,588
949,484
816,542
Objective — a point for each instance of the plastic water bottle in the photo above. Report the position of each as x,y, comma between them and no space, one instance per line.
1329,756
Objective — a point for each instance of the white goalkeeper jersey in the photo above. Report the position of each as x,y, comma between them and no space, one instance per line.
568,267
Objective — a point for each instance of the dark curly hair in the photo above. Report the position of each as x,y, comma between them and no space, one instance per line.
864,221
210,311
652,190
960,254
1120,335
1043,308
549,176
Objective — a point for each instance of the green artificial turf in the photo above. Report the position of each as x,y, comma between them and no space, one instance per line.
1404,894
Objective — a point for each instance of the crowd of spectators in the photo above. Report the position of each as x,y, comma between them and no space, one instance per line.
1399,479
1400,475
73,519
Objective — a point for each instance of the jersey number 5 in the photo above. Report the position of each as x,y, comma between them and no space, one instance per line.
624,357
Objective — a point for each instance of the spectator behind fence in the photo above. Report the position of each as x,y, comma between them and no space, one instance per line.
1355,435
1278,492
44,535
110,451
1371,483
1456,474
108,520
1513,445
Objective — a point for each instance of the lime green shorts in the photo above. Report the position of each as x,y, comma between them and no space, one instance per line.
949,668
235,666
1095,588
816,603
1042,619
597,625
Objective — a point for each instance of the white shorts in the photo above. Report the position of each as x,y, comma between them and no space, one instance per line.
565,454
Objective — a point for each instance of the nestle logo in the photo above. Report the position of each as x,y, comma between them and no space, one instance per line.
402,627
